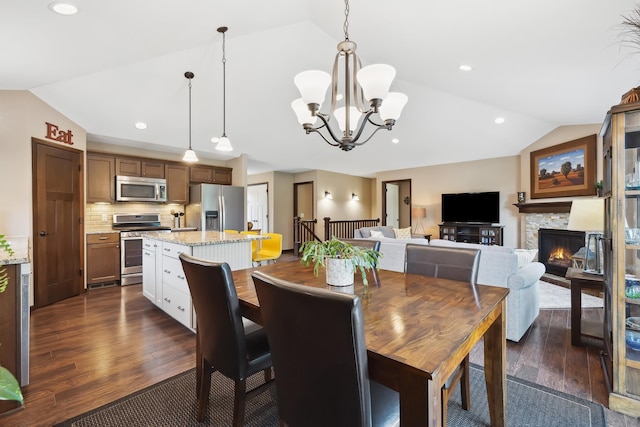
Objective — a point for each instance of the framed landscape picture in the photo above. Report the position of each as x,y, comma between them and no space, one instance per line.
564,170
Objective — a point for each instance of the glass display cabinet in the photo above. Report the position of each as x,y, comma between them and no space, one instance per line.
621,255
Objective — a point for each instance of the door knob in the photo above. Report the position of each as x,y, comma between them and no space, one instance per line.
43,233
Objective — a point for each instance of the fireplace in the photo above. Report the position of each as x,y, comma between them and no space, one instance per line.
555,248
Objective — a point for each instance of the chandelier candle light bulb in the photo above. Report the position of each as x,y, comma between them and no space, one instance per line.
361,85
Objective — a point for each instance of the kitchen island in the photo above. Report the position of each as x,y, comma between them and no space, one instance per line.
163,280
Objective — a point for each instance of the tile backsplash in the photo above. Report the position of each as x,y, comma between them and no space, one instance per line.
99,217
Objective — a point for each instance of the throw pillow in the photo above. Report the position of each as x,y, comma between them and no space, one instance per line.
525,256
375,233
402,233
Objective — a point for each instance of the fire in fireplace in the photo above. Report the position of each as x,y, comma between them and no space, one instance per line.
556,247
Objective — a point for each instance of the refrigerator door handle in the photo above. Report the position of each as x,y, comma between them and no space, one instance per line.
223,220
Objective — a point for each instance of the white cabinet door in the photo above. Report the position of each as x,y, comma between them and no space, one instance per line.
149,274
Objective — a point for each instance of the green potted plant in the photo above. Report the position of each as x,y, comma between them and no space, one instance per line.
340,258
9,387
599,187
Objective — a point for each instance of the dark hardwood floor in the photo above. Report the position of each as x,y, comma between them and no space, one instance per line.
107,343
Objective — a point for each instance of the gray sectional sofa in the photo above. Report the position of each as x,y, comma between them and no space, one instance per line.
499,266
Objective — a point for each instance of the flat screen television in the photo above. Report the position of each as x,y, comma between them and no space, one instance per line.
471,207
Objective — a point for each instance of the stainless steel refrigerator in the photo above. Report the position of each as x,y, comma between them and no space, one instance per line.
214,207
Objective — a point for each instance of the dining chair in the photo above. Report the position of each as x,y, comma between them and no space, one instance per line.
320,357
224,342
270,250
369,244
449,263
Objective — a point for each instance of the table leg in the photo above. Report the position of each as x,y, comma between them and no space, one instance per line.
576,313
419,402
495,368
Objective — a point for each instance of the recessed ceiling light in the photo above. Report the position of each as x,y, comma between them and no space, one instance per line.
339,97
63,8
499,120
464,67
215,140
395,140
140,125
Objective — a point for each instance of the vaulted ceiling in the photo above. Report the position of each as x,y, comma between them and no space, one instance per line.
538,64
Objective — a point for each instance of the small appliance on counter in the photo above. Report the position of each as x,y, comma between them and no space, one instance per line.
132,228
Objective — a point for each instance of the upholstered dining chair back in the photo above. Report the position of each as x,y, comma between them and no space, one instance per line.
369,244
320,356
223,342
449,263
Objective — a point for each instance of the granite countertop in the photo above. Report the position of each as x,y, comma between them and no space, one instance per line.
19,257
104,232
201,238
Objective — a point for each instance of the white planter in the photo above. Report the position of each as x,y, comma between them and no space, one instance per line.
339,272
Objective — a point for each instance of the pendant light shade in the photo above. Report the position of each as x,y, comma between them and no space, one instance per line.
224,144
189,155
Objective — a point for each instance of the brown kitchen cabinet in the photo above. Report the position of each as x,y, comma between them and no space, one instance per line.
177,183
103,258
209,175
139,167
100,178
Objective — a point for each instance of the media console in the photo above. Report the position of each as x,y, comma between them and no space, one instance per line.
485,234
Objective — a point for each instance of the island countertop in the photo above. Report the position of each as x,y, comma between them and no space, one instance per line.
202,238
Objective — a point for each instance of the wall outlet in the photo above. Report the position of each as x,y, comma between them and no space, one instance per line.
104,218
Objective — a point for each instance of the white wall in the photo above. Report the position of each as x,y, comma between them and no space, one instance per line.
23,116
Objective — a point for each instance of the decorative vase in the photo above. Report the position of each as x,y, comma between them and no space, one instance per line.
339,272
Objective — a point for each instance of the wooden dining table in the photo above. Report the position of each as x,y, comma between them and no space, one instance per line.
417,329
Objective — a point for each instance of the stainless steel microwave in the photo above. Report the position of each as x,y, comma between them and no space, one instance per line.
139,189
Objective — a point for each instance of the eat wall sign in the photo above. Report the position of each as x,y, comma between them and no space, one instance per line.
54,133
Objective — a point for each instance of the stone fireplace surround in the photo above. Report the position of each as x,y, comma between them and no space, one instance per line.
534,216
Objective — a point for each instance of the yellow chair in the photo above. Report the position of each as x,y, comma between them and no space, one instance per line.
231,231
254,243
271,248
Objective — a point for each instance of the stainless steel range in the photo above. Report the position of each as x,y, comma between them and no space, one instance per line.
132,228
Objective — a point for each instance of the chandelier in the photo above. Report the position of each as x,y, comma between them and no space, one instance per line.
363,93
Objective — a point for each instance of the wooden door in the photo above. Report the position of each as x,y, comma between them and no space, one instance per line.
57,228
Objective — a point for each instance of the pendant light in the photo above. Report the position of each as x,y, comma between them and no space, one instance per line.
223,142
189,155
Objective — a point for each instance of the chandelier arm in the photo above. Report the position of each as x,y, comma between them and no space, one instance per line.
362,125
316,130
326,124
384,125
357,144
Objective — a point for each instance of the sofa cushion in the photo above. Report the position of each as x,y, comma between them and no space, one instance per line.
374,233
402,233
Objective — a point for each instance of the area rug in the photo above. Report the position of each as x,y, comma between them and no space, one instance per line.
173,403
558,297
